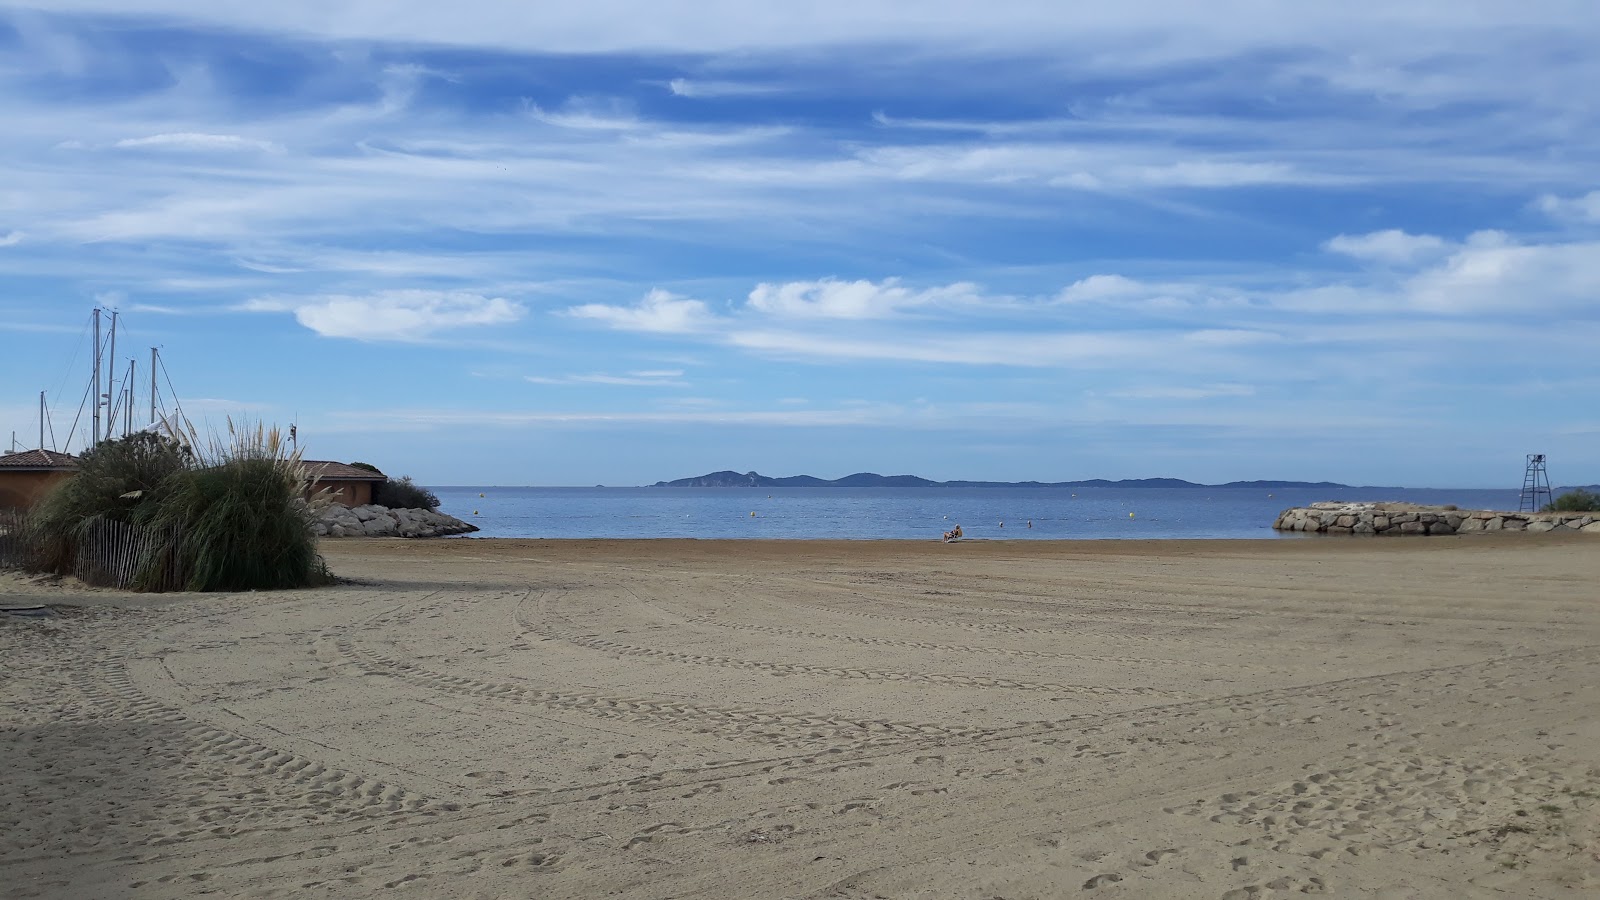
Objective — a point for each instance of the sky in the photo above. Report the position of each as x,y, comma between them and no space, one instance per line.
499,243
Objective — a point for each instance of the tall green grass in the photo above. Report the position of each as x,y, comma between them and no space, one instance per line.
243,516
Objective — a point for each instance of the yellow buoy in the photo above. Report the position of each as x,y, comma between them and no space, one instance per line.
480,493
474,512
1130,515
752,513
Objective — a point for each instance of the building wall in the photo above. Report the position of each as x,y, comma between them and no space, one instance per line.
21,490
347,493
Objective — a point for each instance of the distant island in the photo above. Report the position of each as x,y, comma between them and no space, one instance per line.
727,479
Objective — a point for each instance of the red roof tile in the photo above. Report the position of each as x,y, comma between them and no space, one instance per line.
323,470
34,460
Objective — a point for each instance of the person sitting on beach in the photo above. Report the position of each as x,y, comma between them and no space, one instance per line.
952,534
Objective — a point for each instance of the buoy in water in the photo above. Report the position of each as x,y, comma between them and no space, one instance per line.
1002,524
474,512
480,493
1130,515
752,514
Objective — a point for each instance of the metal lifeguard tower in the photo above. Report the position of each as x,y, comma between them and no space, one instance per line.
1535,484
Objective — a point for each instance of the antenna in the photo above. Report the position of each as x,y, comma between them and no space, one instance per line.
41,420
1535,483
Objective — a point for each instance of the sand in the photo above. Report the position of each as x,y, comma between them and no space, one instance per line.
480,719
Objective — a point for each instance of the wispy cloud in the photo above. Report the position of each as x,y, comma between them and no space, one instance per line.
1584,208
401,315
1198,392
642,378
659,311
684,87
196,141
1391,246
832,299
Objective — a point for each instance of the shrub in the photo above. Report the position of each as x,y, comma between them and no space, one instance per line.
1578,500
119,480
403,493
368,466
233,518
243,517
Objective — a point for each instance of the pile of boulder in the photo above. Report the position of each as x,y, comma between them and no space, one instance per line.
380,521
1411,518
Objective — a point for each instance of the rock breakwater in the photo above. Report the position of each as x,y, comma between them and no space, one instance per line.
1412,519
380,521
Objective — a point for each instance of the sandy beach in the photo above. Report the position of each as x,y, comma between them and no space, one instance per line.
1385,718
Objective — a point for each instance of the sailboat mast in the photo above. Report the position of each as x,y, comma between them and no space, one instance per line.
152,385
41,420
94,436
127,420
111,378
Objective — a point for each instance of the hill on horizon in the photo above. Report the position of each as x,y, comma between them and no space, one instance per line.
730,479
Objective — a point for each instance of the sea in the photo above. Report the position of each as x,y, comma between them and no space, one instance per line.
922,513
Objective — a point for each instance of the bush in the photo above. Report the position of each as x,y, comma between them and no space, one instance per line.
403,493
243,517
1578,500
120,480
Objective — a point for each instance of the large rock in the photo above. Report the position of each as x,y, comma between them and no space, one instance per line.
378,521
1411,518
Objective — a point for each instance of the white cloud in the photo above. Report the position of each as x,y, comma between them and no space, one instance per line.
614,25
1122,292
398,315
1585,208
659,311
12,238
683,87
652,378
589,114
1195,392
198,141
830,299
1493,272
1391,246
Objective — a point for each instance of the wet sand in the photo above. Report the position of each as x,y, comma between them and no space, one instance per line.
1395,718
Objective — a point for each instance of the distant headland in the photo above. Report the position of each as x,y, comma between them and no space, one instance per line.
728,479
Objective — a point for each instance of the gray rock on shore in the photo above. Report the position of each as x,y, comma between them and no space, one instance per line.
380,521
1411,518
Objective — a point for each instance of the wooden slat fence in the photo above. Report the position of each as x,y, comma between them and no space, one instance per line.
15,551
112,554
109,554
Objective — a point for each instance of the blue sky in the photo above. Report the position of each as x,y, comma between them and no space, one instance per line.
478,242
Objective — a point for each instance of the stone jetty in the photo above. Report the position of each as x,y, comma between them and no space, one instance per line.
1413,519
380,521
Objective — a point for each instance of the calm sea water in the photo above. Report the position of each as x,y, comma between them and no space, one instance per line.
905,513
